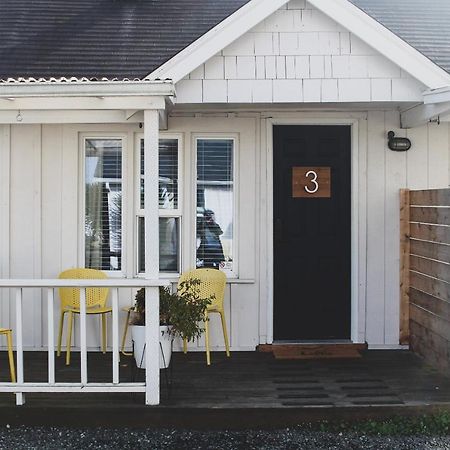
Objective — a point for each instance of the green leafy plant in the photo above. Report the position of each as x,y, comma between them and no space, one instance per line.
183,311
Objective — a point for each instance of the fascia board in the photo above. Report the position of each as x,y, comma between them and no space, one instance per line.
215,40
384,41
83,89
437,96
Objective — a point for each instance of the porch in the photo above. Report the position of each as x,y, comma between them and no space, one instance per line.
263,389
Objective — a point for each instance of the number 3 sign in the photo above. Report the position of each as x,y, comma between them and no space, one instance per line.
311,182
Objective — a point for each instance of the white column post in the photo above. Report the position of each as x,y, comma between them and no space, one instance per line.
151,205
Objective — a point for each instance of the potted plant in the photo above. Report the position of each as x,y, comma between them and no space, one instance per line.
181,314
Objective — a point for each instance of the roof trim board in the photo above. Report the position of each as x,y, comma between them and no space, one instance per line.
342,11
216,39
384,41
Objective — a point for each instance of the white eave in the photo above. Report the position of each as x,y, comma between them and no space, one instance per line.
50,95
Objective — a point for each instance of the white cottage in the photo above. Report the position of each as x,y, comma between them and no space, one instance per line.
269,118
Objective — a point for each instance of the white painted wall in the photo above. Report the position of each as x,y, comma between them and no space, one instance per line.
40,225
298,55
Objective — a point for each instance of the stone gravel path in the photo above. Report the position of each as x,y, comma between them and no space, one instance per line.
18,438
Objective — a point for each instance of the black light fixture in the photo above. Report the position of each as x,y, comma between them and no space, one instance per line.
398,144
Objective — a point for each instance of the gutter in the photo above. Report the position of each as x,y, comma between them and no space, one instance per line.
17,89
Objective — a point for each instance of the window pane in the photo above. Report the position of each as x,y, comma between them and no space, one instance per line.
169,235
215,203
168,174
103,211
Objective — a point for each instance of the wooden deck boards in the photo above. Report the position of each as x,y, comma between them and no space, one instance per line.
251,380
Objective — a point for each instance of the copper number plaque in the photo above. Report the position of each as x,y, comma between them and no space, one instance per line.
311,182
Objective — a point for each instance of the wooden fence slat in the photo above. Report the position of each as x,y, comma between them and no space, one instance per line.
434,233
432,197
434,323
436,269
430,345
435,215
431,250
404,266
429,285
432,304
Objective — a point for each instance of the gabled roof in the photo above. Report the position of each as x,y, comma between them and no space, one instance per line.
131,38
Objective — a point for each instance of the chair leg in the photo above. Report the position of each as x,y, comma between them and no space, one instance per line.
12,369
184,345
225,334
124,337
60,332
208,356
103,333
69,338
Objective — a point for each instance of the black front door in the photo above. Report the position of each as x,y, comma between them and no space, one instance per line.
312,232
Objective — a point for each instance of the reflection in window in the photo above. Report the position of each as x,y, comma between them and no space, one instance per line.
103,204
168,174
168,244
215,203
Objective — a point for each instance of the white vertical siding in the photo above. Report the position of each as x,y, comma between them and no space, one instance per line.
40,219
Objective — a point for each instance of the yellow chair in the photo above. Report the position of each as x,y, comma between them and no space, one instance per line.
70,303
12,370
212,283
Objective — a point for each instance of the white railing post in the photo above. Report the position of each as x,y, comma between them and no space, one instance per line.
151,218
20,397
115,334
151,384
83,345
51,336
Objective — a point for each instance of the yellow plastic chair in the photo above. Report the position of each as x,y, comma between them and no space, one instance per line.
12,369
70,303
212,283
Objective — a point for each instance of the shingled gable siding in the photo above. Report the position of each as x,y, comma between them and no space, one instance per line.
298,55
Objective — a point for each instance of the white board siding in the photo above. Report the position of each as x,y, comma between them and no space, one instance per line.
300,42
47,157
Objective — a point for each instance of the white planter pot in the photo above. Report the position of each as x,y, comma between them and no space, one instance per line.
165,348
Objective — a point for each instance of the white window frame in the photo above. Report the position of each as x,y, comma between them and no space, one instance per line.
234,273
175,213
82,138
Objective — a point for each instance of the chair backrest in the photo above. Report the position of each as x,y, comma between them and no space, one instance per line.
94,296
212,282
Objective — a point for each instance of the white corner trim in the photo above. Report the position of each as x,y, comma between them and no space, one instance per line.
216,39
384,41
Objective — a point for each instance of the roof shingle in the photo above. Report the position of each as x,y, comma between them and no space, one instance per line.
131,38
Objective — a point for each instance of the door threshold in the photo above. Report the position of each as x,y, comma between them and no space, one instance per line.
314,350
313,342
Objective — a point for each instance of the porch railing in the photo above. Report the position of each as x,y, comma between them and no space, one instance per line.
151,384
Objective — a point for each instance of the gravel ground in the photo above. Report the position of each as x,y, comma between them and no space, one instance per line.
15,438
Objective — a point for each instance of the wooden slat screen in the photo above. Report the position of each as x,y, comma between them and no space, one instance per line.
425,274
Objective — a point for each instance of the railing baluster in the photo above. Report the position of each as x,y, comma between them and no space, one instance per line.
83,345
20,398
51,336
115,334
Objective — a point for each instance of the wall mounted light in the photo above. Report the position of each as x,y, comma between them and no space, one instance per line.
398,144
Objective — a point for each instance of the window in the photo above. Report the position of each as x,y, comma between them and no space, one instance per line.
215,203
169,208
103,203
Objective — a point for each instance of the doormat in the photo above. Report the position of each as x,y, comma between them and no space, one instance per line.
315,351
